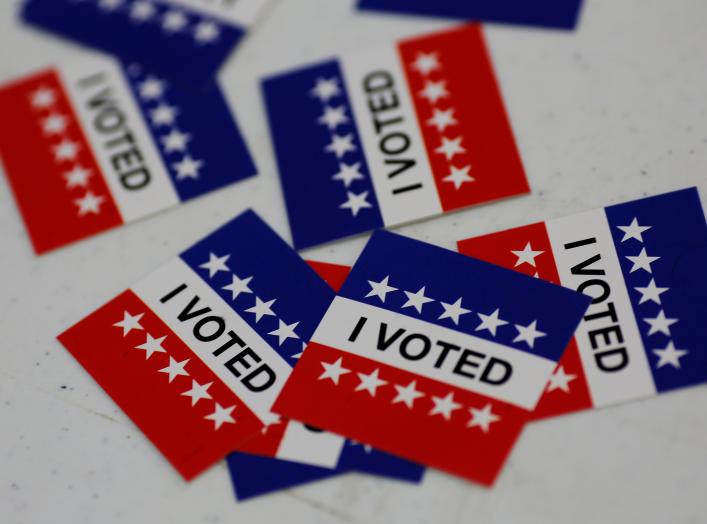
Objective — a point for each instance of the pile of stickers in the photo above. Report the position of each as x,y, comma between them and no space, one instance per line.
416,356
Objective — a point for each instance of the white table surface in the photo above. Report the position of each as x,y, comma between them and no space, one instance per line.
614,111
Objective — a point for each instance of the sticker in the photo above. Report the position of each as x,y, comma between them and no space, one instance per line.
109,144
642,263
563,14
413,359
197,351
259,475
391,135
162,34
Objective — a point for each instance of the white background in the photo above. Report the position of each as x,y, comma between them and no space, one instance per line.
614,111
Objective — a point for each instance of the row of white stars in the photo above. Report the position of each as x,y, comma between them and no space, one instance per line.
172,22
407,395
325,89
426,63
262,308
55,124
453,311
221,415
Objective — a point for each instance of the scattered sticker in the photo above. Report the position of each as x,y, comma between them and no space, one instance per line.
96,144
432,356
642,263
390,135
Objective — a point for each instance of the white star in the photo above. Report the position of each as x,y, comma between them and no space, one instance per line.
175,369
670,355
526,255
490,322
261,309
269,419
442,119
187,167
380,289
284,331
89,203
206,32
366,447
459,176
333,371
355,203
444,406
54,124
151,88
238,286
482,418
142,11
633,230
110,5
221,415
43,98
66,150
298,355
407,394
78,176
129,322
152,345
370,383
198,392
651,292
348,173
216,264
642,261
450,147
425,63
660,324
528,333
333,117
174,21
453,311
163,115
326,89
175,141
340,145
433,91
560,380
417,299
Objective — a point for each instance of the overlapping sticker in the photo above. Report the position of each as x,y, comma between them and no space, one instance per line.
96,144
562,14
302,454
391,135
197,352
162,34
411,356
643,263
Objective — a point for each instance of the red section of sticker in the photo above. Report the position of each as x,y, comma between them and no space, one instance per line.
397,411
527,249
54,175
332,274
175,399
467,133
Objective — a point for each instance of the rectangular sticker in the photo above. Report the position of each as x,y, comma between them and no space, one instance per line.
400,360
391,134
109,144
642,263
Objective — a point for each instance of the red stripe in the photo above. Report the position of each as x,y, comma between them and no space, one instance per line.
412,433
48,205
498,248
482,123
178,429
332,274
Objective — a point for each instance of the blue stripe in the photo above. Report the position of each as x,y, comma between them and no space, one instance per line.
277,273
483,287
678,235
548,13
146,42
214,142
306,169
